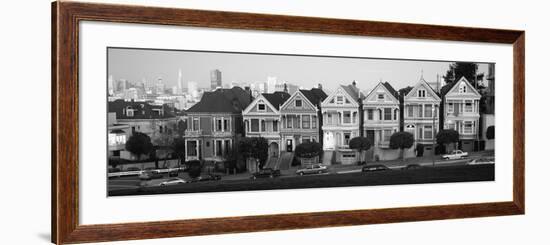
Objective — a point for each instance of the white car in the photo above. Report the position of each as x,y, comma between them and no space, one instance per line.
312,169
481,161
456,154
173,181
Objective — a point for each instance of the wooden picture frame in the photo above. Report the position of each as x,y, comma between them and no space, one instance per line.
65,121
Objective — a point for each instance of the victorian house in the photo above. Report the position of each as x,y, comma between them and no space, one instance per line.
341,120
215,124
461,112
262,118
421,115
300,117
381,120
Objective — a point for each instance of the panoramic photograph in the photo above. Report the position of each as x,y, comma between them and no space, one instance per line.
185,121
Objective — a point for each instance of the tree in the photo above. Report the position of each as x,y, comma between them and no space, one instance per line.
308,149
360,144
139,144
178,146
402,141
447,136
195,168
256,148
490,134
463,69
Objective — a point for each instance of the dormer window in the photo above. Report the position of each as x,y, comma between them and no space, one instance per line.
462,88
421,93
380,96
261,107
129,112
339,99
298,103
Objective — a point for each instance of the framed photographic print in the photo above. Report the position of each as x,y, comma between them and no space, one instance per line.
176,122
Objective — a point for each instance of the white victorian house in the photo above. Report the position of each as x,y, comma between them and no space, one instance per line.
341,118
263,119
421,115
461,111
381,120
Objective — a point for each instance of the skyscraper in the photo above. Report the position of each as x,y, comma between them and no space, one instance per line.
179,89
215,79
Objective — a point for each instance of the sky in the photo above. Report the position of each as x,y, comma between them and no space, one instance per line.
135,65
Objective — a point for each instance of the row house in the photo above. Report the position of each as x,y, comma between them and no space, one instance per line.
341,120
421,115
461,112
155,120
300,117
381,120
262,118
215,124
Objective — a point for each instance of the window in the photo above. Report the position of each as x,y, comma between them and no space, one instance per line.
387,114
262,124
306,119
387,135
275,126
192,148
129,112
395,114
370,114
428,133
195,123
305,139
420,111
380,114
218,125
261,107
160,129
254,125
462,88
450,108
298,103
225,124
428,111
227,147
297,122
380,96
410,110
219,149
451,126
288,122
468,106
313,122
339,99
420,132
468,127
347,117
347,138
116,153
421,93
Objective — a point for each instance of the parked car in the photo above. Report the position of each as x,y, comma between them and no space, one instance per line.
374,168
312,169
266,173
173,173
480,161
412,166
173,181
114,170
133,169
148,175
209,177
456,154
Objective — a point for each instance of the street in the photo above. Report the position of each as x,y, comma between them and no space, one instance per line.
440,174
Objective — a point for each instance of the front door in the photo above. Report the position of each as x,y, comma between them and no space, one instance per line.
289,143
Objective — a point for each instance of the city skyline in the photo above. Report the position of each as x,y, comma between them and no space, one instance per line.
177,68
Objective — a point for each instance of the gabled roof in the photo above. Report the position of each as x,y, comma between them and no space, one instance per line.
423,82
233,100
314,95
353,91
386,86
276,99
449,87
